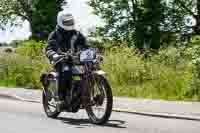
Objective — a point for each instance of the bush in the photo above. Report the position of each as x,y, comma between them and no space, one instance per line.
32,49
196,66
167,75
23,69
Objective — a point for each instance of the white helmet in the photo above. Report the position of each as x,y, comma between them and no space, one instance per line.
65,20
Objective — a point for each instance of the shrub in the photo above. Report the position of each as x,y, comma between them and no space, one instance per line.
31,48
167,75
23,71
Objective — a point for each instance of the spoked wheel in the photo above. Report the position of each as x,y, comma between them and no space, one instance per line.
102,99
49,103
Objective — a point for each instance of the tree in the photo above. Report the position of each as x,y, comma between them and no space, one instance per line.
41,14
120,18
191,7
144,22
197,27
126,21
149,35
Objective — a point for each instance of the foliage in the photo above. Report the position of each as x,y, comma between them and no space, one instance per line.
31,48
23,68
196,65
40,13
191,7
119,17
139,21
21,71
167,75
148,26
196,40
174,15
16,43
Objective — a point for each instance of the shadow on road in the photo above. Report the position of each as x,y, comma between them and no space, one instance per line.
82,123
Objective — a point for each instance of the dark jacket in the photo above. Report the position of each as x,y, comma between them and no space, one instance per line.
60,41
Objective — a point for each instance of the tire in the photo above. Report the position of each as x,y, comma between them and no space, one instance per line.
107,89
50,114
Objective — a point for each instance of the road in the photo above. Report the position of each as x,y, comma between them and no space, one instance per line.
24,117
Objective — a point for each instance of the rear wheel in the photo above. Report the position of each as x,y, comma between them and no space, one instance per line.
49,103
101,96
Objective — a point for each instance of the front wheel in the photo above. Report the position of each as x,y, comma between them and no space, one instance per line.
49,104
101,96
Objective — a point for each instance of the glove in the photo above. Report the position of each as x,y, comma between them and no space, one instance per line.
56,57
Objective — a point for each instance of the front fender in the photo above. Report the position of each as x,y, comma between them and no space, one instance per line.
44,91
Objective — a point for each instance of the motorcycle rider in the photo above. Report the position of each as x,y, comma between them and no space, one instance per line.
61,40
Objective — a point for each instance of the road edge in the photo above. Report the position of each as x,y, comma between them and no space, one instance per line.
15,97
152,114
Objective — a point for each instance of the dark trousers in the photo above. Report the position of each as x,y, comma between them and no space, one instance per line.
64,80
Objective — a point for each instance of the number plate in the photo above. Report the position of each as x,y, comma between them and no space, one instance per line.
88,55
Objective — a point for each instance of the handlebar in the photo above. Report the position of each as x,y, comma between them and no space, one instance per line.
66,56
75,57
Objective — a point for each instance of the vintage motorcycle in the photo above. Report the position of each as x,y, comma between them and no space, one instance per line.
90,89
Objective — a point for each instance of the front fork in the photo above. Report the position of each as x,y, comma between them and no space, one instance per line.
89,90
44,83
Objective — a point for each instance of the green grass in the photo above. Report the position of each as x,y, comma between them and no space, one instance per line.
5,83
22,71
167,75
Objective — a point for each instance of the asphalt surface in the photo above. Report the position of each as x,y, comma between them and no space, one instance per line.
26,117
178,109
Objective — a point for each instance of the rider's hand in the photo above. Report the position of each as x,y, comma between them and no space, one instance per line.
56,57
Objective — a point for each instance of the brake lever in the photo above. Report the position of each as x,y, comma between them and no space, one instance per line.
64,56
56,62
